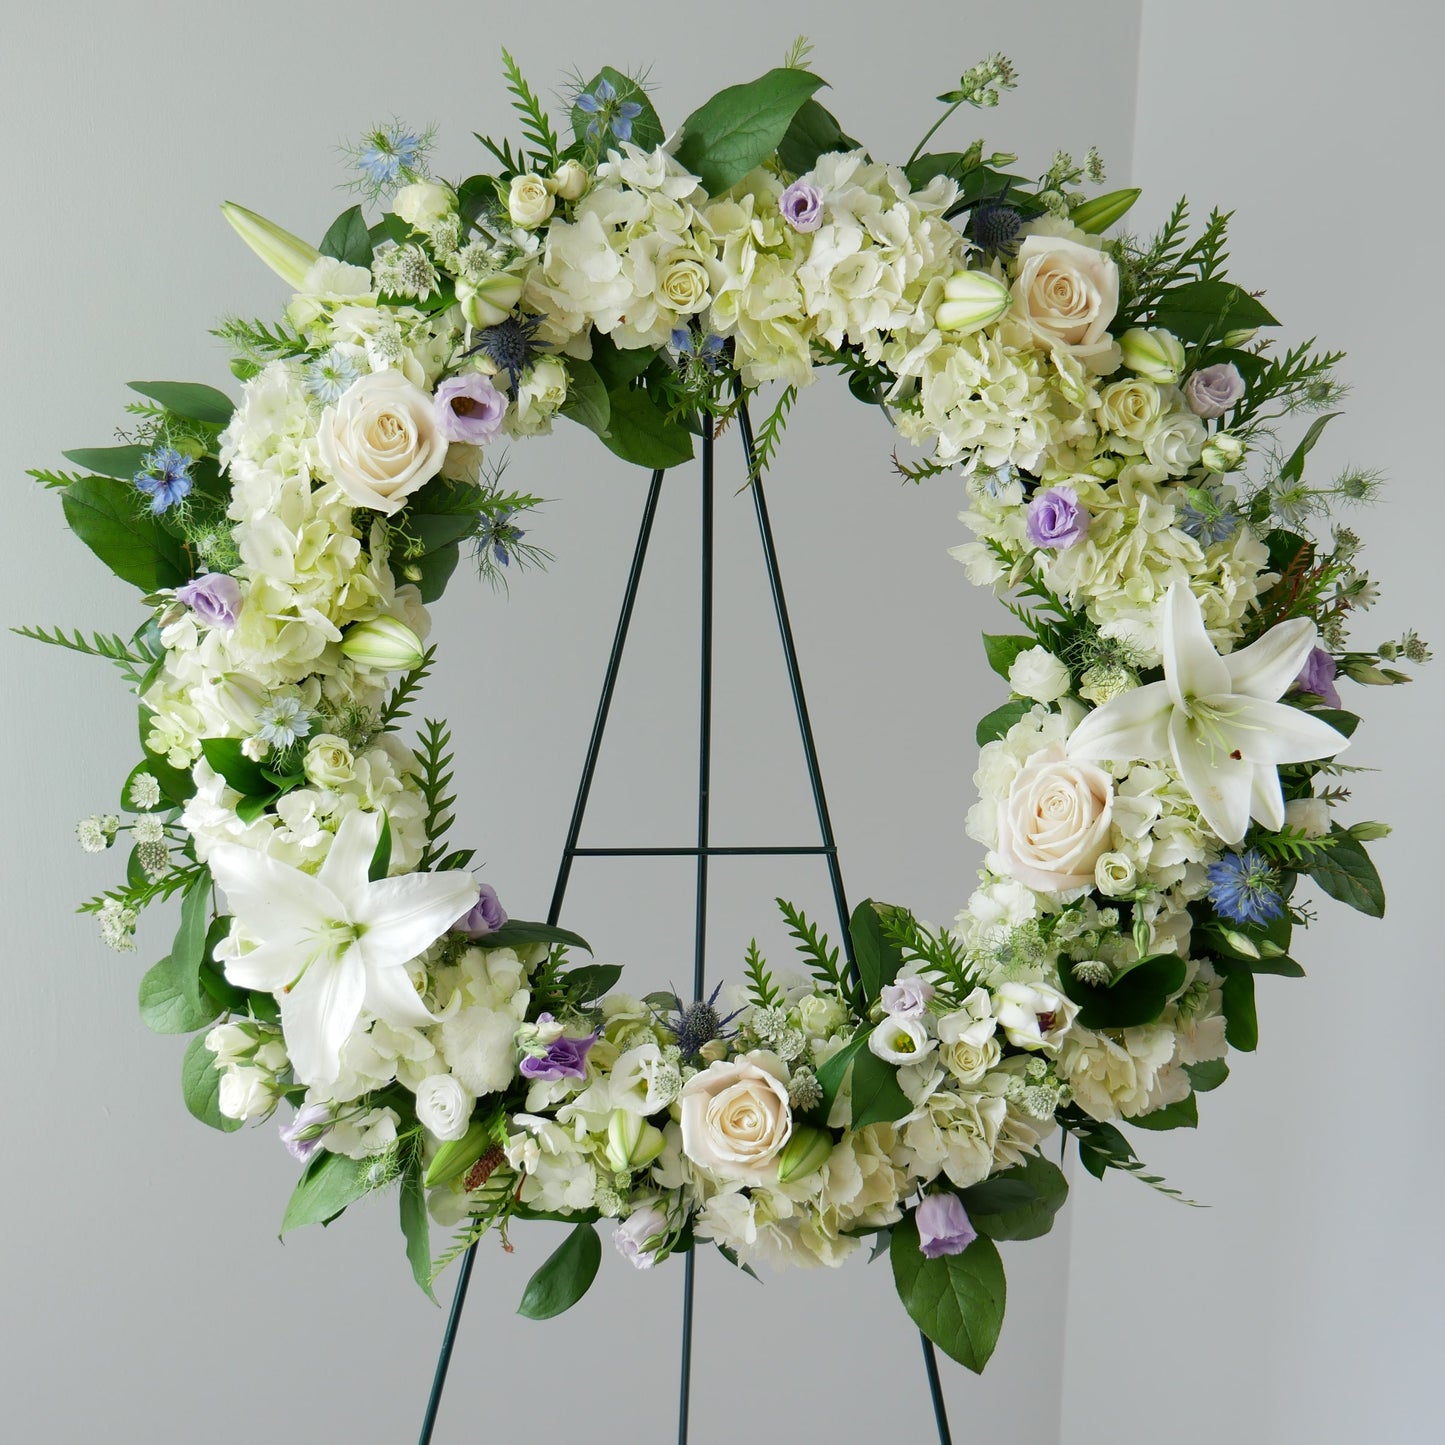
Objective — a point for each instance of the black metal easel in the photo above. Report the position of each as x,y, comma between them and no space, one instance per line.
703,850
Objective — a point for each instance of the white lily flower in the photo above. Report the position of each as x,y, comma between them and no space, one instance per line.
337,943
1219,719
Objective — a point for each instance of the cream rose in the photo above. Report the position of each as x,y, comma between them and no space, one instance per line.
1055,823
682,286
1175,442
529,202
1130,408
380,442
329,761
1066,293
736,1117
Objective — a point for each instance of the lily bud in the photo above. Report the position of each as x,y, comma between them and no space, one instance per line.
1100,213
568,181
287,255
453,1160
806,1152
1153,353
971,299
488,302
632,1142
1222,452
383,645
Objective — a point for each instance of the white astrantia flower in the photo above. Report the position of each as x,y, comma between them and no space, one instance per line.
337,943
1219,719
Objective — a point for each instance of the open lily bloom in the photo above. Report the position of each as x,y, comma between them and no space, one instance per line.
1218,719
337,943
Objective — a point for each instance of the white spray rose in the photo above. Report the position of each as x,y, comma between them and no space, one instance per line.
529,202
1115,875
444,1106
246,1093
381,442
1036,673
569,180
1310,815
329,761
736,1117
424,204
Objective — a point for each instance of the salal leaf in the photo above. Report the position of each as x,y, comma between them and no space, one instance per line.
639,431
190,399
877,1099
957,1300
517,933
1018,1203
166,1002
647,132
1345,872
348,238
565,1277
330,1183
416,1228
107,516
1182,1114
1002,650
1000,720
740,127
878,957
1135,997
201,1086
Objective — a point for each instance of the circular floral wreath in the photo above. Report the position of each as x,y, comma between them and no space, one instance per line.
1153,792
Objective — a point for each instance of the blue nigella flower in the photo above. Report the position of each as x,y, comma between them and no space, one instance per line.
283,722
708,352
389,155
511,345
608,112
329,375
1244,888
1205,518
165,477
497,535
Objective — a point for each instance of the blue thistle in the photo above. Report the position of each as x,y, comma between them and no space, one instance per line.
607,112
696,1024
165,477
996,227
1244,888
511,346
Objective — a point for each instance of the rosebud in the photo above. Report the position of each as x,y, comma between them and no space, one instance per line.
1367,832
1365,673
714,1051
807,1151
488,302
631,1141
1100,213
1310,816
1241,336
569,180
287,255
1240,943
383,645
1222,452
423,204
971,299
1153,353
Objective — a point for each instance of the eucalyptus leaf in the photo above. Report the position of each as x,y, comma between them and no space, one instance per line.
957,1300
565,1277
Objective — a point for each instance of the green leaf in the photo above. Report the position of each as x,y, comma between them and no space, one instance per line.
247,778
832,1074
1294,466
1018,1203
812,132
1208,1075
877,1099
415,1227
878,957
166,1004
1001,719
107,517
616,365
515,933
740,127
201,1086
188,951
1182,1114
1345,872
122,463
639,431
957,1300
330,1183
1134,997
1208,309
191,399
587,403
1241,1023
1001,651
565,1277
381,856
1342,721
348,238
647,132
591,981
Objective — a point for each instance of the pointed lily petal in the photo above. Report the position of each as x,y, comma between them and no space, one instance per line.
1274,732
391,996
1268,666
291,902
1132,725
1192,668
1266,803
404,915
1220,785
270,966
349,861
319,1014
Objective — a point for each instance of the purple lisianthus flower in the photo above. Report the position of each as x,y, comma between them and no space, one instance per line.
1318,676
802,206
485,916
469,408
647,1222
215,598
1211,391
1056,520
906,997
943,1226
566,1058
302,1136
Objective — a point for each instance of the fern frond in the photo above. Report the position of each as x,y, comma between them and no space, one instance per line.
1293,846
940,955
762,989
536,126
142,895
54,480
822,960
771,433
134,664
434,759
404,693
1102,1146
918,471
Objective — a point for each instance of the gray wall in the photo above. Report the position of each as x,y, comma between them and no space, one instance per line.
145,1295
1303,1305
